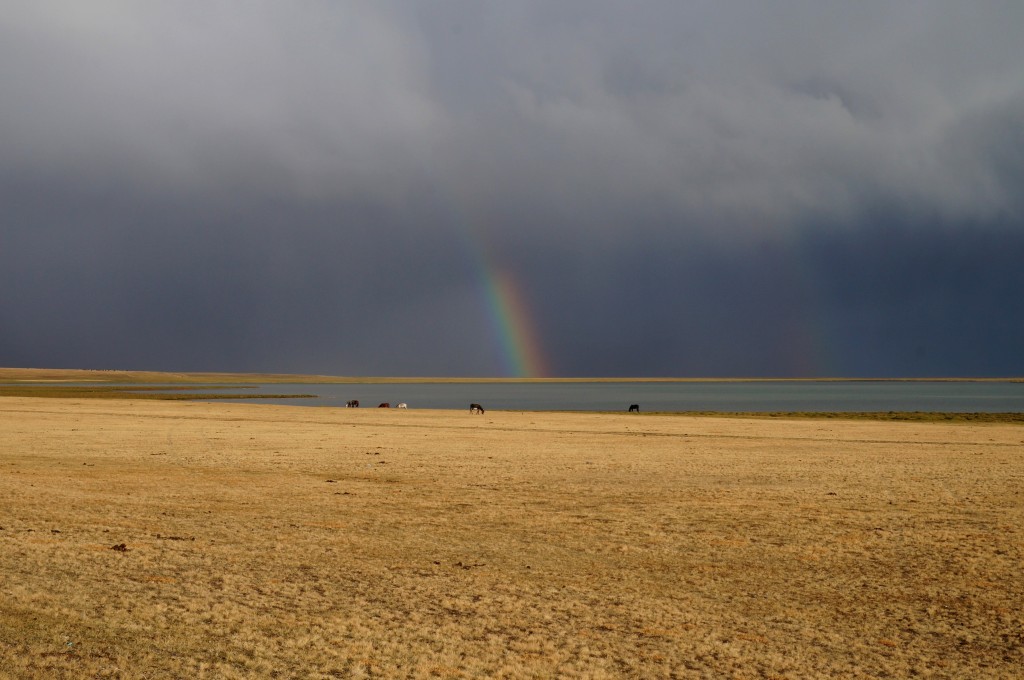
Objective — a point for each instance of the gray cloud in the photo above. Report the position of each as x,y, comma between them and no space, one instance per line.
312,186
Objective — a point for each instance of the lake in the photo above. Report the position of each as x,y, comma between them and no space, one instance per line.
760,396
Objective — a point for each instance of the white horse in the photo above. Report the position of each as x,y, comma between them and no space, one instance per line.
402,405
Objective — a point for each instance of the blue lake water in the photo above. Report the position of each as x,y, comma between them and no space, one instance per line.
992,397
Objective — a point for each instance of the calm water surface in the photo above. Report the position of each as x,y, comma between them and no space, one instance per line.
703,396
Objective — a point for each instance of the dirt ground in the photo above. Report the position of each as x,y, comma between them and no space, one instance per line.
168,539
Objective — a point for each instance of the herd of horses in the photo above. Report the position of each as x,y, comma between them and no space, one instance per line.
354,403
473,408
384,404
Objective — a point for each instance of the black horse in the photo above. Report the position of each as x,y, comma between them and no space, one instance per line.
634,408
476,408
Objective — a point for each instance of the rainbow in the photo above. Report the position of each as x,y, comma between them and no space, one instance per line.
512,324
507,306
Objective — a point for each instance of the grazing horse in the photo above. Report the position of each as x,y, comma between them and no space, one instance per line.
476,408
352,404
402,405
634,408
385,404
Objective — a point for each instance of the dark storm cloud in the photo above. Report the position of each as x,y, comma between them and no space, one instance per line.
738,188
897,299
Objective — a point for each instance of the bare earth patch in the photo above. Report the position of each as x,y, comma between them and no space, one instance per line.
168,539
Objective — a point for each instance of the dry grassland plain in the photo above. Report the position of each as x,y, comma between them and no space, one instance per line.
143,539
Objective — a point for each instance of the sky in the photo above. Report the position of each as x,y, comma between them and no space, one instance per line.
783,188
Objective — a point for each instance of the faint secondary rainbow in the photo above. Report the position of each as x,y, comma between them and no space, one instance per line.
809,346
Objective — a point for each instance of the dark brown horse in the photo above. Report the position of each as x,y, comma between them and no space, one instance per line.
476,408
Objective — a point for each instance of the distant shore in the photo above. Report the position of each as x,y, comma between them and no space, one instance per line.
28,375
166,386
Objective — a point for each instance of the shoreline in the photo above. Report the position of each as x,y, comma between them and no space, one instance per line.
199,387
124,394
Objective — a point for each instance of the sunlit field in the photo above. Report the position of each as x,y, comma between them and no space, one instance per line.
172,539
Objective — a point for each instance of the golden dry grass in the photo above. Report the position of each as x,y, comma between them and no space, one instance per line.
279,541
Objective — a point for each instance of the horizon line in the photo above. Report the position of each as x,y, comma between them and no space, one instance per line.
12,373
